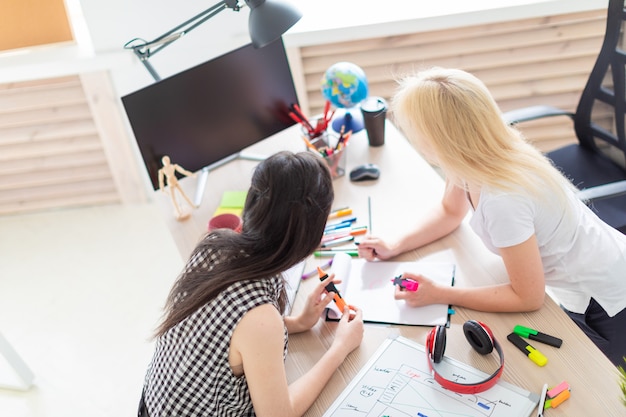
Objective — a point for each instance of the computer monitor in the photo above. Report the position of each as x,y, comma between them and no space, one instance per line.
212,111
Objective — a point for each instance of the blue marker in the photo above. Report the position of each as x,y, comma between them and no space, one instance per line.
347,220
337,228
339,225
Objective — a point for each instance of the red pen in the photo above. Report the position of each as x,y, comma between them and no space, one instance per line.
330,117
295,109
326,109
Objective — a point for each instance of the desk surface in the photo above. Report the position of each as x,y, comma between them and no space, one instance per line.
406,188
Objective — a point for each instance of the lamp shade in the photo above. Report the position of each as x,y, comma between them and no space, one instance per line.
269,19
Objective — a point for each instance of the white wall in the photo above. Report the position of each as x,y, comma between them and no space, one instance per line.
122,20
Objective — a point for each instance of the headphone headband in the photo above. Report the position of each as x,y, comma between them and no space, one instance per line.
481,338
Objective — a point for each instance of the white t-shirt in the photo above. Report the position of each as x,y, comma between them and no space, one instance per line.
582,256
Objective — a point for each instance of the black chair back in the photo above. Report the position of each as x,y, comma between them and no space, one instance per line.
599,118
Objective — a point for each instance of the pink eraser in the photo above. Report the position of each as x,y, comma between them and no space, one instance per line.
553,392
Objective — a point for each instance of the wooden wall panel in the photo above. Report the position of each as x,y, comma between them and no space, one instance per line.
542,60
63,142
51,154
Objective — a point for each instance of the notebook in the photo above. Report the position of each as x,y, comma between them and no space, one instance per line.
293,277
397,381
368,286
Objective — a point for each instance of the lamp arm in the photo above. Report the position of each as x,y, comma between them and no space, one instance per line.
143,51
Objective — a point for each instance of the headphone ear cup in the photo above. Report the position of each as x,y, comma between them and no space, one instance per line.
439,344
478,336
430,341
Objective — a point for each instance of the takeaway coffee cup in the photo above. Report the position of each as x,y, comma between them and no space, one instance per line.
374,110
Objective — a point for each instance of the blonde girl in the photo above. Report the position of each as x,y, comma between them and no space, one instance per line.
523,210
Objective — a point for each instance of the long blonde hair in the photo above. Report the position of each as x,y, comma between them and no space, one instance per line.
450,116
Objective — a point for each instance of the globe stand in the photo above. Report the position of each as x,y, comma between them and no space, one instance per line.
351,119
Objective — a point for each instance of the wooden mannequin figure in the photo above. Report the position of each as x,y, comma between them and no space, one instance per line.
168,173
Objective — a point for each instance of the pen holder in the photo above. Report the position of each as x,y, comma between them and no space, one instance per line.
337,162
327,147
335,159
321,140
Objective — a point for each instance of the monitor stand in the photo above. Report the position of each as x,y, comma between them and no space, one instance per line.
204,172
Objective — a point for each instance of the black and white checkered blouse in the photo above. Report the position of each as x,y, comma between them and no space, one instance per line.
190,374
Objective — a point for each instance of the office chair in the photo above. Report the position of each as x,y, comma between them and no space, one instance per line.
597,163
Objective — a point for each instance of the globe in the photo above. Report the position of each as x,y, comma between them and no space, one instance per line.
344,85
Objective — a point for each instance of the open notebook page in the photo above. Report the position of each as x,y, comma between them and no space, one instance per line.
368,286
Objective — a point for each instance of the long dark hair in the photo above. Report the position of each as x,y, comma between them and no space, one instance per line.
286,208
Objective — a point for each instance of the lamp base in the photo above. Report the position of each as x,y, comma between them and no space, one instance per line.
351,119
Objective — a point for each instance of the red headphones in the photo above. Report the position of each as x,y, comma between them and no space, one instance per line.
481,339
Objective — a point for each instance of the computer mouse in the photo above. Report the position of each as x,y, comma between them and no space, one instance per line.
365,172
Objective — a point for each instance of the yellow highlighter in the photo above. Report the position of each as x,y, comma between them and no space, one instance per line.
340,213
532,353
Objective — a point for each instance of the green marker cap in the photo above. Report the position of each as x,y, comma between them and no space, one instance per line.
524,331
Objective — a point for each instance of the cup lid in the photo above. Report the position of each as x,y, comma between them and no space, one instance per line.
373,104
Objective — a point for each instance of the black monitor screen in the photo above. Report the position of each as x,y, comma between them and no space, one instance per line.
213,110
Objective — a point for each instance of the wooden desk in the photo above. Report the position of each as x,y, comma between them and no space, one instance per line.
406,188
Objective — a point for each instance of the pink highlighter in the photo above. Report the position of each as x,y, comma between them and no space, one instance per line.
407,284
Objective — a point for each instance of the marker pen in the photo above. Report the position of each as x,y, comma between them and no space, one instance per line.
339,228
554,392
533,334
532,353
341,304
407,284
338,241
339,209
332,252
354,231
340,213
342,221
556,401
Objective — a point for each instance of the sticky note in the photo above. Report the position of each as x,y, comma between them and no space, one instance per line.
233,199
232,202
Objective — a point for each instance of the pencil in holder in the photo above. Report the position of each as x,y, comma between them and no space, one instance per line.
332,149
318,141
335,158
336,161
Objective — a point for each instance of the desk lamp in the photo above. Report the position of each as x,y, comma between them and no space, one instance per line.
268,20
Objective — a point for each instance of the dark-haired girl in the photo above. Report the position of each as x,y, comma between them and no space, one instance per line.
221,347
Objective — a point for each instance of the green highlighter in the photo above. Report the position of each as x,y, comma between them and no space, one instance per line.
331,252
533,334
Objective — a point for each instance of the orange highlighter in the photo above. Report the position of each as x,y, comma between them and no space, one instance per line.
341,304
